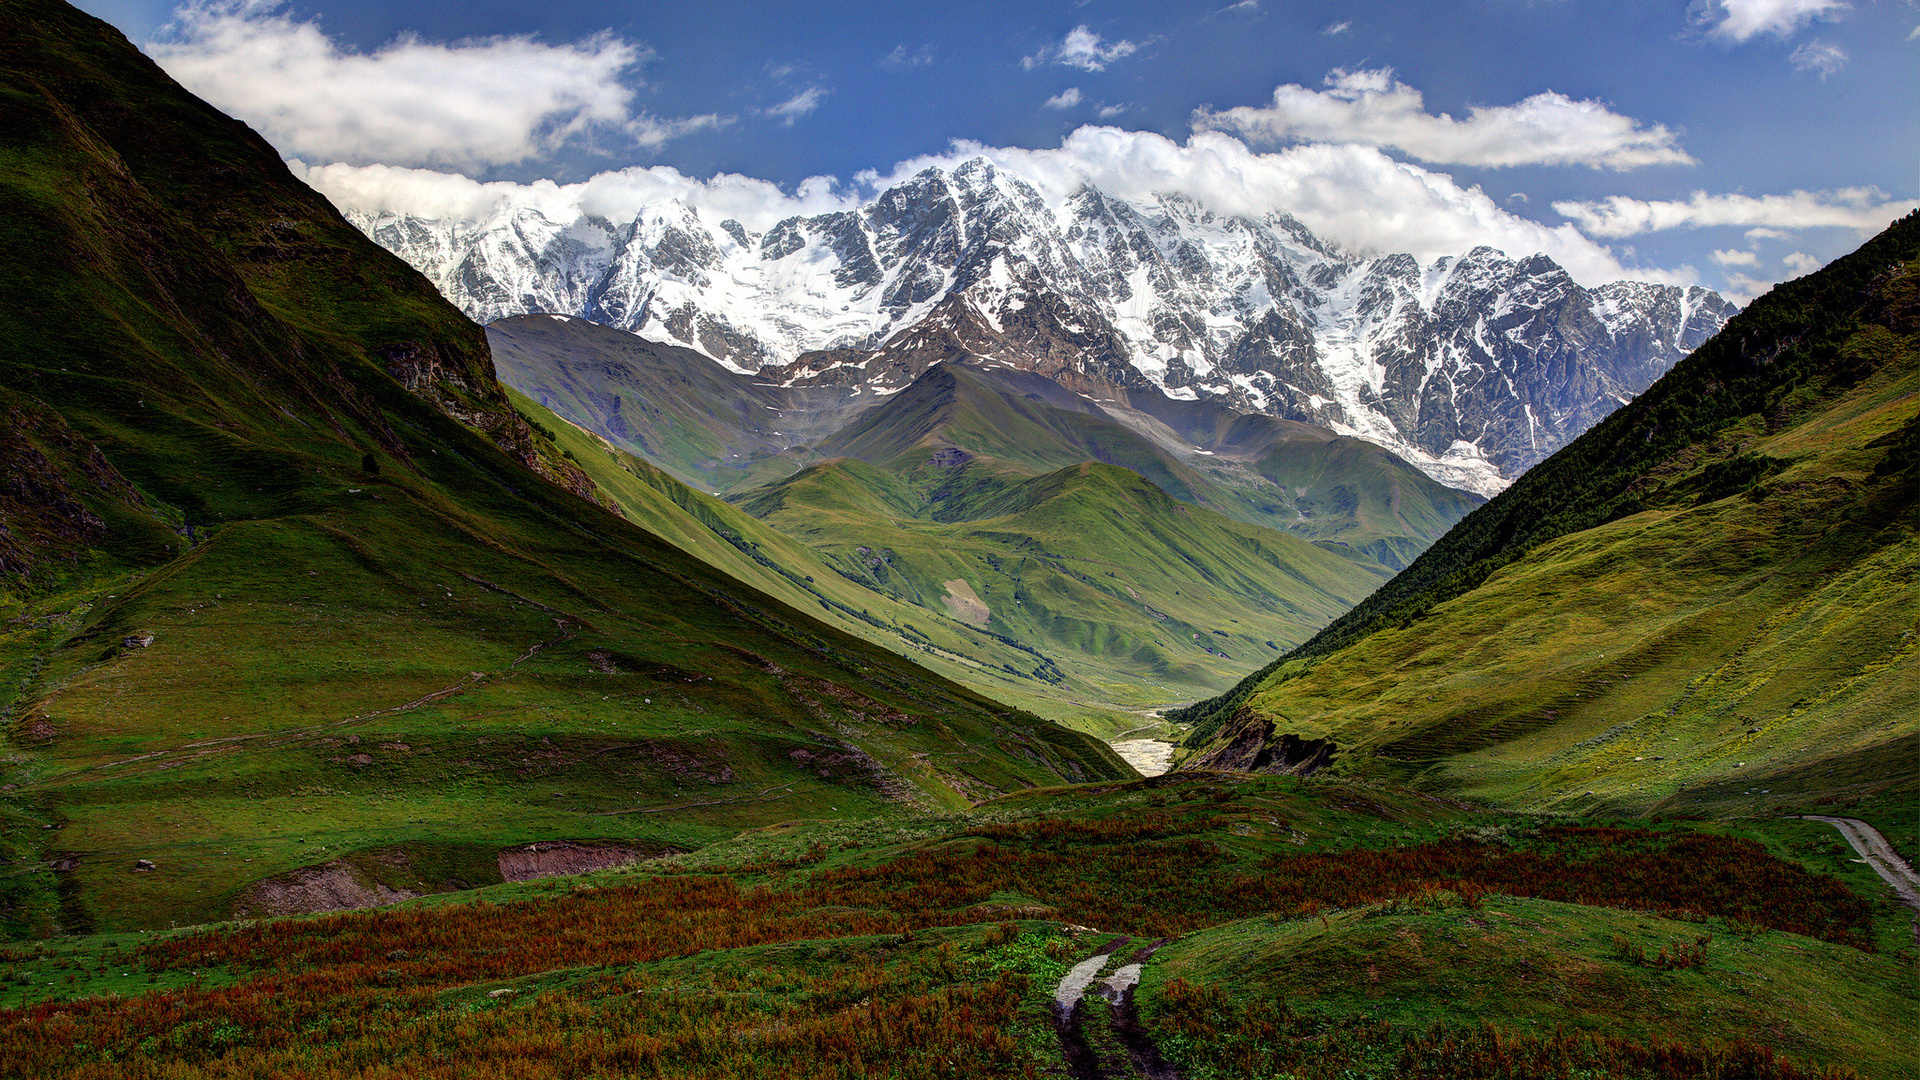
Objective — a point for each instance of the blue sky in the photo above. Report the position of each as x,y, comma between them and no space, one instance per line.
1731,142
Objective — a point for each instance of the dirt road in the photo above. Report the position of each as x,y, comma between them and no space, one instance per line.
1879,854
1129,1053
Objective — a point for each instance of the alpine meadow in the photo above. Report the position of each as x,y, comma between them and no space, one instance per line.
1009,616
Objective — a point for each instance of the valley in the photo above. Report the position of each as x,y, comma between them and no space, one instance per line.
1005,676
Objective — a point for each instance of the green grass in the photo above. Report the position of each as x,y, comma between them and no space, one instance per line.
1428,956
1534,966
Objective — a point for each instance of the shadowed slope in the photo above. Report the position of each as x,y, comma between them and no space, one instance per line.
294,587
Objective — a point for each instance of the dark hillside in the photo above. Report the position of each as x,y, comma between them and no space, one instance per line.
293,608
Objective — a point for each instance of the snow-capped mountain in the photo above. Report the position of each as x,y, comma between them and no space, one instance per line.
1474,367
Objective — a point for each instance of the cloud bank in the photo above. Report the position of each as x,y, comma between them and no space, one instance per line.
1353,196
491,101
1374,108
1865,210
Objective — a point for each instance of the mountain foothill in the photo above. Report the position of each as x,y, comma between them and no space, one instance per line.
675,676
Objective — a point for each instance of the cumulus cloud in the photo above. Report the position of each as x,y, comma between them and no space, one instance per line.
1741,289
1802,263
616,195
1863,209
1744,20
1819,56
1065,99
1108,112
1338,28
1374,108
798,105
1083,49
1736,257
476,103
1756,235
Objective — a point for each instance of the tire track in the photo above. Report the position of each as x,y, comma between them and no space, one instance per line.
1116,992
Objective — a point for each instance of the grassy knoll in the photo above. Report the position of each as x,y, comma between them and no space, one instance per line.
1534,968
737,543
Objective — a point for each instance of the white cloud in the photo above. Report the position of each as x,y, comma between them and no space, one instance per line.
1338,28
1819,56
1374,108
1736,257
617,195
1083,49
798,105
1864,209
1065,99
1802,263
1754,236
1744,20
1108,112
905,59
1352,196
480,102
1741,289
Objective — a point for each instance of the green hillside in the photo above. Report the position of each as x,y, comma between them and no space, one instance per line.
667,404
752,551
290,614
1112,581
1704,605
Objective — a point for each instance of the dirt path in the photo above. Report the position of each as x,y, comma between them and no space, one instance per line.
1878,854
1135,1055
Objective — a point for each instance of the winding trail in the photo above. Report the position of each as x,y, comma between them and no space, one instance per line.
1878,854
1085,1062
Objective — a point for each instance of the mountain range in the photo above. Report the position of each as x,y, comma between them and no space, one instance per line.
1473,367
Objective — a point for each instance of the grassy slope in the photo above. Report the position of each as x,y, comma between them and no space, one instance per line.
1120,585
1742,608
749,550
382,628
1534,966
665,403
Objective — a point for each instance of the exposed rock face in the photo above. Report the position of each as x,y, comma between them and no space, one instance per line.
554,858
1473,367
335,886
1251,746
